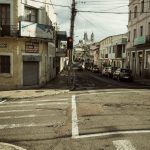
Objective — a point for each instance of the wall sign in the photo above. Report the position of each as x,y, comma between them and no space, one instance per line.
29,29
3,45
31,47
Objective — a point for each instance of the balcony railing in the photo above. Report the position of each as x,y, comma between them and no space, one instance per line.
140,40
9,30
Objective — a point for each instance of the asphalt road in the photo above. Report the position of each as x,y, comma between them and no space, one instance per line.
100,114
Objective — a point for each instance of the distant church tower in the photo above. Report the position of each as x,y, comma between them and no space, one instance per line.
85,37
92,37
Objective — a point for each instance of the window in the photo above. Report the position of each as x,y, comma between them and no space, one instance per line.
134,34
4,14
147,59
109,50
130,15
4,64
135,11
142,6
129,36
149,28
123,49
31,14
141,30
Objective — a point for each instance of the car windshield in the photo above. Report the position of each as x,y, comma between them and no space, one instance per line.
125,70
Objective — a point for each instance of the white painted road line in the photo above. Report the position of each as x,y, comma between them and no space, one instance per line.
123,145
2,101
75,130
26,116
39,104
112,133
11,146
36,101
11,126
113,92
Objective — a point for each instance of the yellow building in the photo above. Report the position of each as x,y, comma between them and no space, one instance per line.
27,49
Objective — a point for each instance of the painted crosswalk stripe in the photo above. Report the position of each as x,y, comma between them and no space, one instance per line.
39,104
75,130
123,145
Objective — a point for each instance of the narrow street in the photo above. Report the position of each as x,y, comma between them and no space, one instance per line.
100,114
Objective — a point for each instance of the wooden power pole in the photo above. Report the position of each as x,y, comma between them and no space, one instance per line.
72,21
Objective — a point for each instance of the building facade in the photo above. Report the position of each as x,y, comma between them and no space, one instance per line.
112,51
138,47
27,43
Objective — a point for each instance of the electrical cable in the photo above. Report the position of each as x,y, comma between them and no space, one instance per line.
57,5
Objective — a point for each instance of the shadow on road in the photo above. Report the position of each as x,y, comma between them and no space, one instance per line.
85,80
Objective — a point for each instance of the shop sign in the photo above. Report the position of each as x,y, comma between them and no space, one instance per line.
29,29
31,47
3,45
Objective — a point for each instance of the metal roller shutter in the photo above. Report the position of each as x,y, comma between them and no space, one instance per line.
30,73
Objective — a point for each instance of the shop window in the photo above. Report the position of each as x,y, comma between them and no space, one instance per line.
4,64
147,59
31,14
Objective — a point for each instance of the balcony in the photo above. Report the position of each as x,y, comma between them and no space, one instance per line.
121,41
9,30
140,40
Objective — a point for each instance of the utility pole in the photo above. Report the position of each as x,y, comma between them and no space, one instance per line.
72,21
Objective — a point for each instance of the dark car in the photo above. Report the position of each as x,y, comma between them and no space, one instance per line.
110,71
95,69
123,74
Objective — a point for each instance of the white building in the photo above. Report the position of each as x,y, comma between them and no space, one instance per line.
112,51
139,38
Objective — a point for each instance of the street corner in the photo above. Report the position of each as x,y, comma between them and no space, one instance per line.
6,146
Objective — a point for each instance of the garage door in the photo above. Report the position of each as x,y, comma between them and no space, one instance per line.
30,73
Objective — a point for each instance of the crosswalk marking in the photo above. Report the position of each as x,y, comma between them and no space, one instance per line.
123,145
75,130
11,126
38,104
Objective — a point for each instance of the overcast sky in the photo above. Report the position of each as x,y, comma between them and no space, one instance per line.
101,24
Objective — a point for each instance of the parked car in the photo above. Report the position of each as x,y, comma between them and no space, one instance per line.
110,71
123,74
105,71
95,69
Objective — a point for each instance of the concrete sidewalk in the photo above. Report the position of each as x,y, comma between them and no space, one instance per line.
56,86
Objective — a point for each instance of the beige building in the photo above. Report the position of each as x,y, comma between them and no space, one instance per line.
112,51
138,47
27,49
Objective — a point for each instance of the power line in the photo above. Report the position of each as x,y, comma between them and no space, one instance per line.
57,5
108,12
